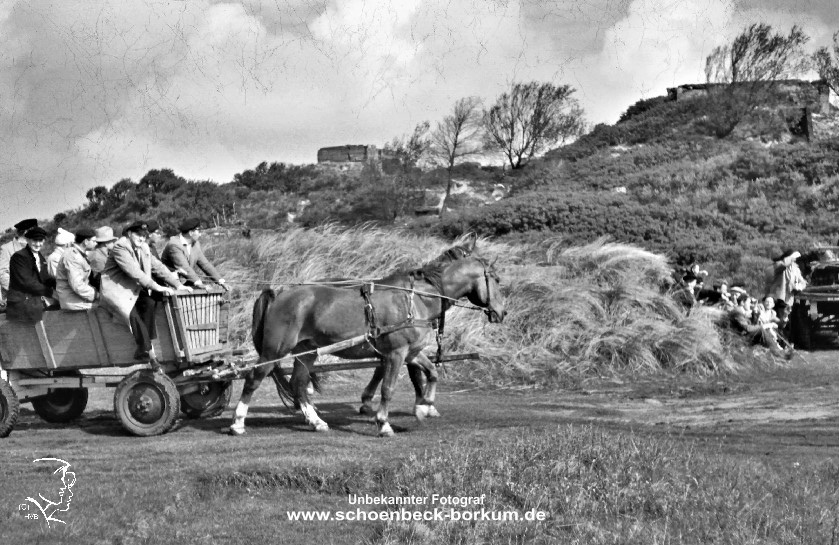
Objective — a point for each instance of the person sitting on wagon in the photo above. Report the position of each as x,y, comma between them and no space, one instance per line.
184,252
98,257
7,250
126,283
72,277
30,284
63,240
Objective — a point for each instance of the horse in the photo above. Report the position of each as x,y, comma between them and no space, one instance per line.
395,322
422,372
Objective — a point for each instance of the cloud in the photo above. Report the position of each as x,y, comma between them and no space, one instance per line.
94,92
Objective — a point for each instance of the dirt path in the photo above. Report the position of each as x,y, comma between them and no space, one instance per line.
785,413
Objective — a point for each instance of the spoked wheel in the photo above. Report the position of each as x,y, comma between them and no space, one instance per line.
9,408
147,403
208,400
61,404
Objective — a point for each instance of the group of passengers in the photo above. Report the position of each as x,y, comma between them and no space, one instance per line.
760,321
126,275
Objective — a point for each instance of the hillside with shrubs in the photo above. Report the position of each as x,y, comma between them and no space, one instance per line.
664,179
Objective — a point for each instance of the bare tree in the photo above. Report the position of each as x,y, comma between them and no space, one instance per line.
530,118
754,59
827,65
457,137
758,54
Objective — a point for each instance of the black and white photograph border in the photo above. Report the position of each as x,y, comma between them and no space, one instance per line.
380,271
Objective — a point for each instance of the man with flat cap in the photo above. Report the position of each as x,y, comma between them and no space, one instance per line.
30,284
72,276
7,250
184,252
126,283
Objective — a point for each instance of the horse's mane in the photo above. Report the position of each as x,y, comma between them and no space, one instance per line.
431,272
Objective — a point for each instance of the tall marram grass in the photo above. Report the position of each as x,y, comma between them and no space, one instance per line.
599,308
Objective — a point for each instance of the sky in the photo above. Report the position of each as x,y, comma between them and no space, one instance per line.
95,91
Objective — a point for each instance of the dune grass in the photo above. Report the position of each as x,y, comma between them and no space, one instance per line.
600,308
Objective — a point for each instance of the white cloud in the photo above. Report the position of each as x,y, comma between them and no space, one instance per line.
92,92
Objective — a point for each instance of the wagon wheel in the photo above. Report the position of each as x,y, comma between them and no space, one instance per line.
208,400
61,404
9,408
147,403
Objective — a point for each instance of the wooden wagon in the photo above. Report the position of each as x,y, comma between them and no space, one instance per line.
54,362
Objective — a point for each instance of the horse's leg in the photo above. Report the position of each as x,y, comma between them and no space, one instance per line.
301,384
424,404
370,391
392,364
252,382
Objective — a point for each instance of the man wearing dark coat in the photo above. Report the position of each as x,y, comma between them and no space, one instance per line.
30,284
184,252
7,250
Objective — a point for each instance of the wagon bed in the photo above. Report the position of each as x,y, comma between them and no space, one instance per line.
53,362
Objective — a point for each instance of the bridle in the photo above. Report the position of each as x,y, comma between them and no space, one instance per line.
488,310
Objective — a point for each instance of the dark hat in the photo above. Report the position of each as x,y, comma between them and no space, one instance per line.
36,233
25,225
153,226
689,276
788,252
84,233
189,224
138,226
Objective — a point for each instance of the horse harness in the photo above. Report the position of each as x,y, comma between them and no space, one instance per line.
374,330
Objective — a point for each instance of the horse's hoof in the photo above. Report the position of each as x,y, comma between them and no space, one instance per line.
322,427
432,412
385,430
366,410
235,432
421,412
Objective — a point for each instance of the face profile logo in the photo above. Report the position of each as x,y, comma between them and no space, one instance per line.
59,498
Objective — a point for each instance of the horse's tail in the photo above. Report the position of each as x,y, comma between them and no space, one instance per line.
258,324
284,386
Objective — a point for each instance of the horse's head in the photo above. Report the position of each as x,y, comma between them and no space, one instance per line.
478,281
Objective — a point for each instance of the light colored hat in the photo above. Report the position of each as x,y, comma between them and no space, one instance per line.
64,237
105,234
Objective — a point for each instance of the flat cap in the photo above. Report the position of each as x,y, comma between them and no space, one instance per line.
36,233
152,226
137,227
189,224
84,233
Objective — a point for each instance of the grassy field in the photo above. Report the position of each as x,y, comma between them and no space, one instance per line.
608,477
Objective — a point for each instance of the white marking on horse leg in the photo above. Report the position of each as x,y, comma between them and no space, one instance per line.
238,426
310,389
421,410
384,429
432,412
312,418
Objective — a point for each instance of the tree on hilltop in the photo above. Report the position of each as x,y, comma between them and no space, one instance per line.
458,136
827,65
530,118
758,54
755,58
